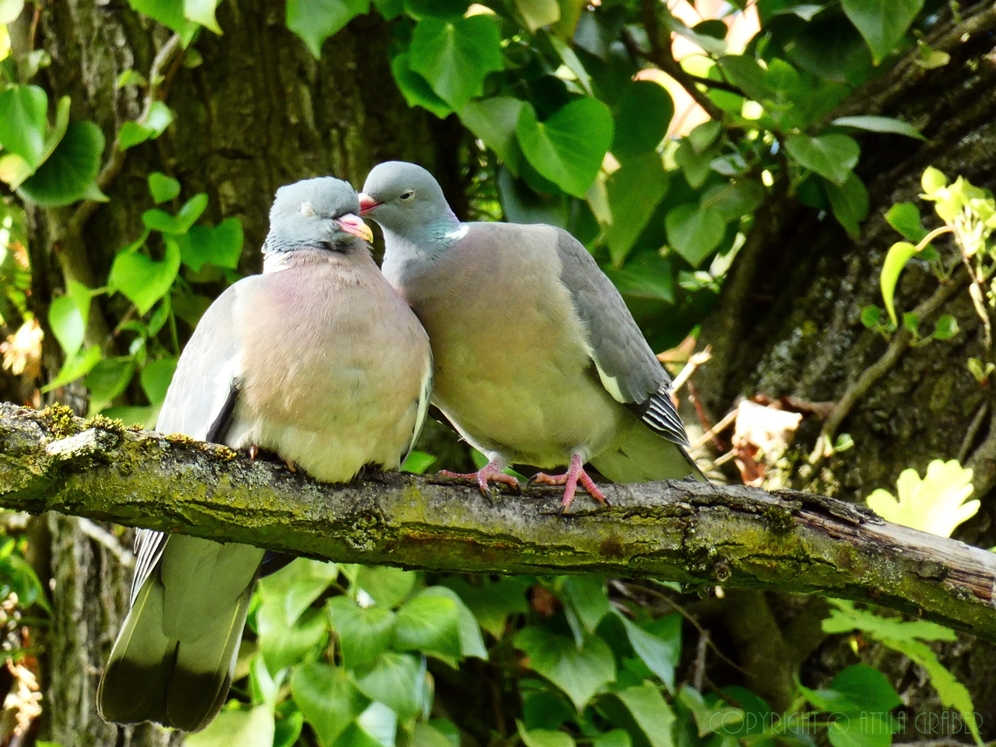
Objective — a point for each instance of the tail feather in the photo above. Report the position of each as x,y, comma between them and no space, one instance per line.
175,656
643,456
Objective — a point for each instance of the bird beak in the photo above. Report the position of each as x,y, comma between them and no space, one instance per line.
354,225
367,203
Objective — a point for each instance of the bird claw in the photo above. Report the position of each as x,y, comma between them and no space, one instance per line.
570,479
491,472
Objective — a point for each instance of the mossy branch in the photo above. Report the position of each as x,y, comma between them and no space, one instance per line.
686,531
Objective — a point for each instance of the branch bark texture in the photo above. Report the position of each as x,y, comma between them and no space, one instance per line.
684,531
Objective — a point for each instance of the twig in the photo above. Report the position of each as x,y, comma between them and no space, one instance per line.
710,435
662,56
972,432
164,57
900,344
694,361
698,671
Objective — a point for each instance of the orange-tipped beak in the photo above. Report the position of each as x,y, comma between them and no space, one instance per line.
355,225
367,203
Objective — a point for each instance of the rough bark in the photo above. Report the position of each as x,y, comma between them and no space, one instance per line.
259,112
788,320
696,533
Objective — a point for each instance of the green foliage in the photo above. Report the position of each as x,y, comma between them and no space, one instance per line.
907,638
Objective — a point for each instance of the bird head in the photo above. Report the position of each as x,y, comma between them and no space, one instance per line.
316,213
404,198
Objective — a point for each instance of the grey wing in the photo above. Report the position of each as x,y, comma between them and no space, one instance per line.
626,365
199,402
425,393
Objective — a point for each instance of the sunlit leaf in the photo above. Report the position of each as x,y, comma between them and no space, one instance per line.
455,56
882,22
936,503
567,148
579,672
316,20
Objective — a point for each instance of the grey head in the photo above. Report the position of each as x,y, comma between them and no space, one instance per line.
318,213
406,200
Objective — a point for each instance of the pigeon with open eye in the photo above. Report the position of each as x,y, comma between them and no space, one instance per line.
317,360
537,359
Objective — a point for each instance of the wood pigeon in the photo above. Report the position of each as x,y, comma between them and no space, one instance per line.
537,359
317,360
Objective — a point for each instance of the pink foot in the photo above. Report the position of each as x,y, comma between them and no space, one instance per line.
570,480
491,472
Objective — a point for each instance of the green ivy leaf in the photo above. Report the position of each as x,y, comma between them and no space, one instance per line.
492,602
651,712
705,135
831,156
415,88
364,632
455,56
163,188
734,199
661,656
134,132
109,378
895,260
746,74
295,586
170,14
648,275
882,22
579,672
905,218
159,220
70,173
156,377
695,166
284,645
67,316
246,727
645,111
544,737
494,121
428,624
567,148
538,13
444,9
328,698
471,642
870,731
79,365
694,232
867,688
143,280
849,202
220,246
387,586
634,191
314,21
202,12
417,462
587,599
945,328
23,121
394,679
880,124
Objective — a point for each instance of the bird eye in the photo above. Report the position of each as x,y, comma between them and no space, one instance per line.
307,209
408,195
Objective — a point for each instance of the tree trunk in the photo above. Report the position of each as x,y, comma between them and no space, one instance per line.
258,112
788,321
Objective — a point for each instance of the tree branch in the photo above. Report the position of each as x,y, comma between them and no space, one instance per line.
686,531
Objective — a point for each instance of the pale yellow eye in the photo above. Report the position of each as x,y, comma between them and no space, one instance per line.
307,209
408,196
